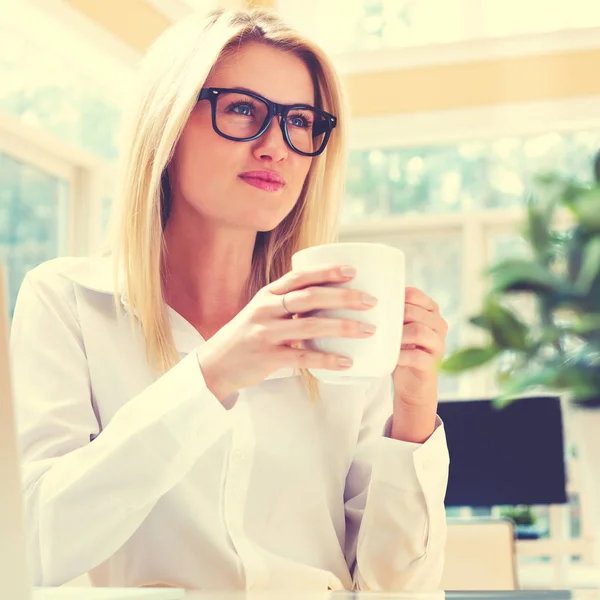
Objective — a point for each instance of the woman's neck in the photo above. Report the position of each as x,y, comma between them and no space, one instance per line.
205,273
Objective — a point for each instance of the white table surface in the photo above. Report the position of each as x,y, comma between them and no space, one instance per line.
73,593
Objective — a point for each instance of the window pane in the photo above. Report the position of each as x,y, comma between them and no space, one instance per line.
433,264
45,89
367,185
33,219
474,175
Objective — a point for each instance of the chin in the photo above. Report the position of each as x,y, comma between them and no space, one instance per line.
267,225
264,220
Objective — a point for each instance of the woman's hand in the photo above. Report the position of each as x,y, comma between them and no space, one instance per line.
416,374
261,338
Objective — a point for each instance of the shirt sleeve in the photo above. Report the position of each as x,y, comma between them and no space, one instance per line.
395,514
86,491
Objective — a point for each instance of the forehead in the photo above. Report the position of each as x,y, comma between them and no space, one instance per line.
278,75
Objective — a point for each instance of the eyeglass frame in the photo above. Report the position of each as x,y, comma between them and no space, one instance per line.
274,110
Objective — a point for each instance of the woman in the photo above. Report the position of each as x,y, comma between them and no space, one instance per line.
178,445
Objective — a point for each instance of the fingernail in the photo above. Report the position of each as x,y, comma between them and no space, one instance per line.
345,362
368,328
348,271
369,300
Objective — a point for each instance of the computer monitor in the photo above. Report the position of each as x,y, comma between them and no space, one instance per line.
505,456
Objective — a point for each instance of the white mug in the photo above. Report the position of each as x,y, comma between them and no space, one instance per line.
380,271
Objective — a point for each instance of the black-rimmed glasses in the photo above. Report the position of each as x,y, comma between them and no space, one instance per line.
243,116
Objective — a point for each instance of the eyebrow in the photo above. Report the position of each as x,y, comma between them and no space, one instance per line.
245,89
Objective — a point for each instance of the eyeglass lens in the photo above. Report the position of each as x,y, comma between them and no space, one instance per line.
241,116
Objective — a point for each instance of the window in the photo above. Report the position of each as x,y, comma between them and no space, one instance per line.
60,116
33,219
52,78
452,209
468,176
38,88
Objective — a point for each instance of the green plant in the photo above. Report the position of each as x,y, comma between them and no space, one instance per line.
559,351
520,515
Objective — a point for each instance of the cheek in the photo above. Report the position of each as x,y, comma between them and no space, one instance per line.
201,156
191,150
299,172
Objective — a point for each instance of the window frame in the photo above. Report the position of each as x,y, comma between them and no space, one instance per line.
87,176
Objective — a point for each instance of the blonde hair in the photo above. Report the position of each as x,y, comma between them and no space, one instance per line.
171,76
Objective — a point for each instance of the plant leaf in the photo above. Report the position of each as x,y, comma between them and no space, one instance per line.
480,321
585,324
586,208
574,253
517,275
537,230
469,358
571,192
507,330
590,267
525,382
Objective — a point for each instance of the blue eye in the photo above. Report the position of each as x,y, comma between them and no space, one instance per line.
245,109
299,121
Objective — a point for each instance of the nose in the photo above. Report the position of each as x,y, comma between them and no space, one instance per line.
271,145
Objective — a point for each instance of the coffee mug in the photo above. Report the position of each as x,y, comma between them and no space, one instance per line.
380,271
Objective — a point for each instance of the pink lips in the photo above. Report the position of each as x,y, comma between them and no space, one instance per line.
268,181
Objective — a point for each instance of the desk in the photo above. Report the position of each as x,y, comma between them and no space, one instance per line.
518,595
173,594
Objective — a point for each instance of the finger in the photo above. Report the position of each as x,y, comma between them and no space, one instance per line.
417,297
418,314
311,359
295,280
418,360
310,328
424,337
320,298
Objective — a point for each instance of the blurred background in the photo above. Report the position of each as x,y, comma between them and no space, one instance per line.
456,106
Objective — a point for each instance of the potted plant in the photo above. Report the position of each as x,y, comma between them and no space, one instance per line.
557,350
525,520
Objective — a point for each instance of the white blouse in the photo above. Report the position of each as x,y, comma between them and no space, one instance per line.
139,480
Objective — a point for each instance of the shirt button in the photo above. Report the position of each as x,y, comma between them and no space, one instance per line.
429,464
237,456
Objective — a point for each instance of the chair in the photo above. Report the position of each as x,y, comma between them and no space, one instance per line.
480,555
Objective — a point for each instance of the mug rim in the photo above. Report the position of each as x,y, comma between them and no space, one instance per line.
376,245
